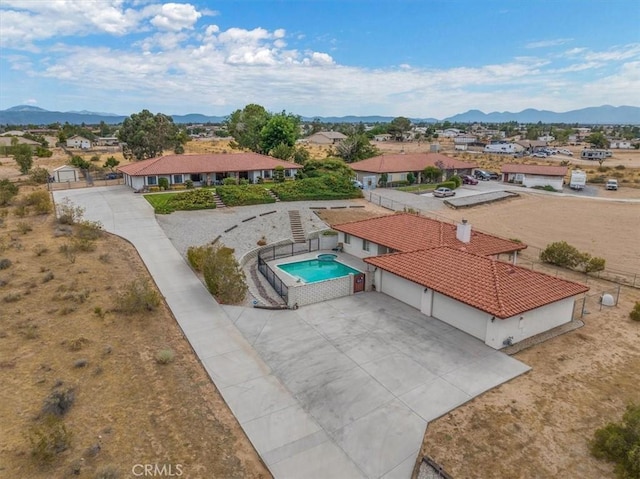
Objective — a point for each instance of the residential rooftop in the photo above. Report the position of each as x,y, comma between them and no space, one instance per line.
547,170
407,232
496,287
400,162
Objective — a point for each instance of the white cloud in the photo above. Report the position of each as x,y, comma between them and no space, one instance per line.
30,101
175,17
548,43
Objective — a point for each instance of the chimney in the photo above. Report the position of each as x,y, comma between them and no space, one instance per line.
463,232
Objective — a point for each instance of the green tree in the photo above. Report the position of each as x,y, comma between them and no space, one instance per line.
597,140
23,156
7,191
278,174
246,125
111,163
620,443
330,166
355,148
146,135
283,152
398,127
279,129
301,155
79,162
431,174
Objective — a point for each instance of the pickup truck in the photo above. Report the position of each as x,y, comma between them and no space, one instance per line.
612,184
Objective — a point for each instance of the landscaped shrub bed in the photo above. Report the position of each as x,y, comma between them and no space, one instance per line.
201,199
243,195
323,188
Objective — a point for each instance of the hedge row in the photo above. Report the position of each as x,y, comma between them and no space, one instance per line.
244,195
321,188
201,199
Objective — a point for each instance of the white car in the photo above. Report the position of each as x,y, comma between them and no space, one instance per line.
539,154
443,192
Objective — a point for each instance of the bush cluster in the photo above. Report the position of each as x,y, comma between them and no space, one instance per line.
447,184
201,199
48,438
566,256
139,296
635,312
244,195
620,443
222,273
7,191
327,187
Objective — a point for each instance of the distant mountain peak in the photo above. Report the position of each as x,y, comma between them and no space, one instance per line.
25,108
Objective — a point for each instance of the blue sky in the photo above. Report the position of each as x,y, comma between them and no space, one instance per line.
415,58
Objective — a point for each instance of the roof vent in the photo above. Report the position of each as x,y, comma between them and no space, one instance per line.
463,232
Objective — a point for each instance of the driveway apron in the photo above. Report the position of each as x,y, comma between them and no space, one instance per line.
340,389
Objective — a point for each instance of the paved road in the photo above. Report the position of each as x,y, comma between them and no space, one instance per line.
339,389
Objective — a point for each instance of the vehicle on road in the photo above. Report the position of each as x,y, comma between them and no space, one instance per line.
578,180
612,184
566,152
539,154
443,192
469,180
482,175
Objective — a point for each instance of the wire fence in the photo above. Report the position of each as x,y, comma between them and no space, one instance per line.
593,302
282,251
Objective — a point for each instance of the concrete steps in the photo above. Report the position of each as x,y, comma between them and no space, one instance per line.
297,231
218,201
273,195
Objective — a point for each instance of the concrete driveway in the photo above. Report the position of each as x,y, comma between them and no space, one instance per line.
338,389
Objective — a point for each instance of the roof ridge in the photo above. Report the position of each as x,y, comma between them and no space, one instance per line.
496,286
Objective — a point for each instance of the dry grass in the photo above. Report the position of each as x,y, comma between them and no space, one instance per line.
64,334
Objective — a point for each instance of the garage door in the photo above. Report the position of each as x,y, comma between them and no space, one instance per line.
461,316
401,289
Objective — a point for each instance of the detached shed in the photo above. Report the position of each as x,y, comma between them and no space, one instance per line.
535,175
66,173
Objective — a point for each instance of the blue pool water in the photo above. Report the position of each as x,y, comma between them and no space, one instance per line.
314,270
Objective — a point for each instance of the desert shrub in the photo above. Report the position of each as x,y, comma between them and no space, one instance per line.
12,298
104,258
620,167
107,472
40,249
21,210
562,254
7,191
139,296
188,184
89,230
165,356
244,195
196,256
598,179
5,263
456,179
603,169
80,363
39,175
99,312
59,402
593,265
48,438
223,276
635,312
68,214
48,277
68,251
620,443
77,344
329,233
327,187
24,228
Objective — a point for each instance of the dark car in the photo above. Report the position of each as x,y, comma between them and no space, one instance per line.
469,180
493,175
482,175
111,176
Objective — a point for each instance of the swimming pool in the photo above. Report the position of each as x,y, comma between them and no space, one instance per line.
314,270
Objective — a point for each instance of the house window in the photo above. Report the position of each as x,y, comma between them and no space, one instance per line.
152,180
287,173
177,178
266,174
196,177
347,238
365,245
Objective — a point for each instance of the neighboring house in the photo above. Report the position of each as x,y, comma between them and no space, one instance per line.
107,141
546,138
398,166
532,145
464,139
66,173
452,273
13,133
326,138
620,144
6,141
535,175
77,141
205,169
383,137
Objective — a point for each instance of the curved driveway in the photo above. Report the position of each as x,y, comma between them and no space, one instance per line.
339,389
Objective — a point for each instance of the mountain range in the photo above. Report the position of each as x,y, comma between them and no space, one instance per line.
600,115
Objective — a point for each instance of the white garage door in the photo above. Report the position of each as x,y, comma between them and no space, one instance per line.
401,289
459,315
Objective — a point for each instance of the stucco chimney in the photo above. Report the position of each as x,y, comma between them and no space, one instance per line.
463,232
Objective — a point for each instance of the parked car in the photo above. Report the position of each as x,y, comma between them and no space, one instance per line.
443,192
493,175
482,175
539,154
357,184
612,184
469,180
111,176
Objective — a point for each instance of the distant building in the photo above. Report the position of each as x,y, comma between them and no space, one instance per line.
327,138
77,141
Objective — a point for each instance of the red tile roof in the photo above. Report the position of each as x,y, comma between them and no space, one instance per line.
400,163
496,287
406,232
545,170
206,163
